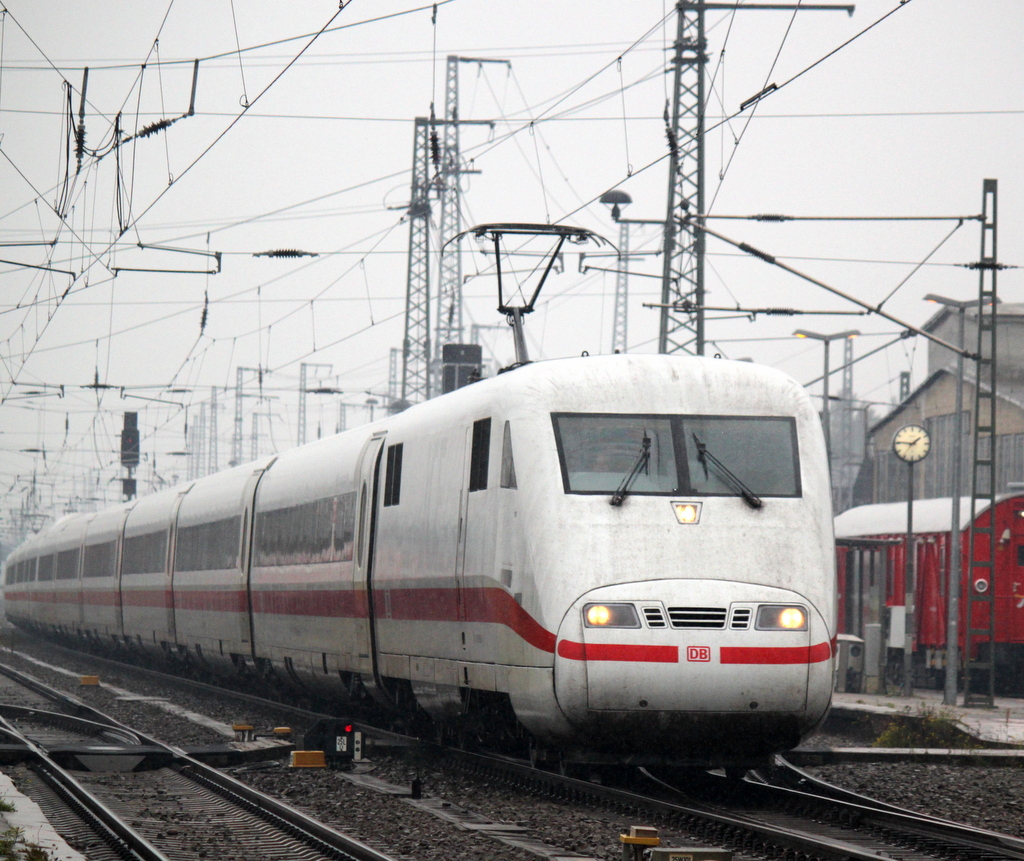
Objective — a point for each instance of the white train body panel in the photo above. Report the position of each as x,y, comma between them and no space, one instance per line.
101,561
209,580
308,606
147,609
457,547
57,574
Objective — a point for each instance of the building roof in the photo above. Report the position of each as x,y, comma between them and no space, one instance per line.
890,518
1011,392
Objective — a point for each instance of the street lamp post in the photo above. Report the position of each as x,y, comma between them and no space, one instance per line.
617,199
955,562
826,423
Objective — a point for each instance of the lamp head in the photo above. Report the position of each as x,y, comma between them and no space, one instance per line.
616,198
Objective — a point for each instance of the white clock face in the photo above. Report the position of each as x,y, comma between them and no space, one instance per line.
911,443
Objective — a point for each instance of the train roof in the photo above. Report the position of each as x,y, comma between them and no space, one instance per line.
890,518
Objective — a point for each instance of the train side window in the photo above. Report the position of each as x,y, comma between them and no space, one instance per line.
393,480
211,546
508,465
480,458
67,564
145,554
1020,554
99,559
46,566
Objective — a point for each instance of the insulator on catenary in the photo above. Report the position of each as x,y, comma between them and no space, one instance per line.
673,143
435,148
153,128
286,252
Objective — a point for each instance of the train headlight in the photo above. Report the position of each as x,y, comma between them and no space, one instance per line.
610,616
781,617
687,512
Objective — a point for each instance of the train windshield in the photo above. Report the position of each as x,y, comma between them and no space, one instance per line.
597,450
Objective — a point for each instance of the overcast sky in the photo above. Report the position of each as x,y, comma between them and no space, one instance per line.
906,120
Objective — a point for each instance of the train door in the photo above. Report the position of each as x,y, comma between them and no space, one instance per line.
245,623
367,477
460,549
172,537
475,463
1011,566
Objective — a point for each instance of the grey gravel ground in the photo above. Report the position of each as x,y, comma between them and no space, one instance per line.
989,797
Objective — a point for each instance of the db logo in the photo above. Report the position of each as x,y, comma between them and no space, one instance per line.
698,653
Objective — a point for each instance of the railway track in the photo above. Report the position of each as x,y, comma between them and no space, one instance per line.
177,809
781,813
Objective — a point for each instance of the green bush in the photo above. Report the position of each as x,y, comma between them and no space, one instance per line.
927,729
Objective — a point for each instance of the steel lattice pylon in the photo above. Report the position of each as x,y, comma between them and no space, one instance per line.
449,290
682,288
979,636
416,343
682,331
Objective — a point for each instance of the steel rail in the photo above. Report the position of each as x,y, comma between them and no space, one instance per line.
899,827
320,837
797,780
717,826
711,826
122,839
171,678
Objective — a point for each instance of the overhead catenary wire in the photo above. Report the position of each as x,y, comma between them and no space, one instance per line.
264,298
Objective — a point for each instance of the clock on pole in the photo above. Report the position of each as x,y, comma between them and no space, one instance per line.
911,443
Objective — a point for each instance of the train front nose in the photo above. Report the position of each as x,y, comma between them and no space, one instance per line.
678,659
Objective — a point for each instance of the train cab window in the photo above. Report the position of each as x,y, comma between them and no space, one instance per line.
762,452
481,455
683,454
508,466
393,479
598,451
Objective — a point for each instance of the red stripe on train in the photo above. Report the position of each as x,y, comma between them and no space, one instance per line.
775,655
617,652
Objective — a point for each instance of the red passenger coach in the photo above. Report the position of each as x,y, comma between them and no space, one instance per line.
871,563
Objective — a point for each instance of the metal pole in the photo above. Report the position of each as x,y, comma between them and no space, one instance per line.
620,312
825,416
955,575
909,575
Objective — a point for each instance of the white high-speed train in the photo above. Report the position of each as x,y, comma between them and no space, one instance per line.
627,557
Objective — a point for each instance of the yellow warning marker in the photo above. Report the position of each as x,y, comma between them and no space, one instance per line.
88,680
282,731
243,731
308,759
639,836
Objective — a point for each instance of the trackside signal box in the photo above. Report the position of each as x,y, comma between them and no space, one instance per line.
690,853
340,741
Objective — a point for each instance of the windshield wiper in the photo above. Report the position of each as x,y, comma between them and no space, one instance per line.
734,483
642,463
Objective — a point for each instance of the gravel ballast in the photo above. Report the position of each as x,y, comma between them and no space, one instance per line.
991,798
